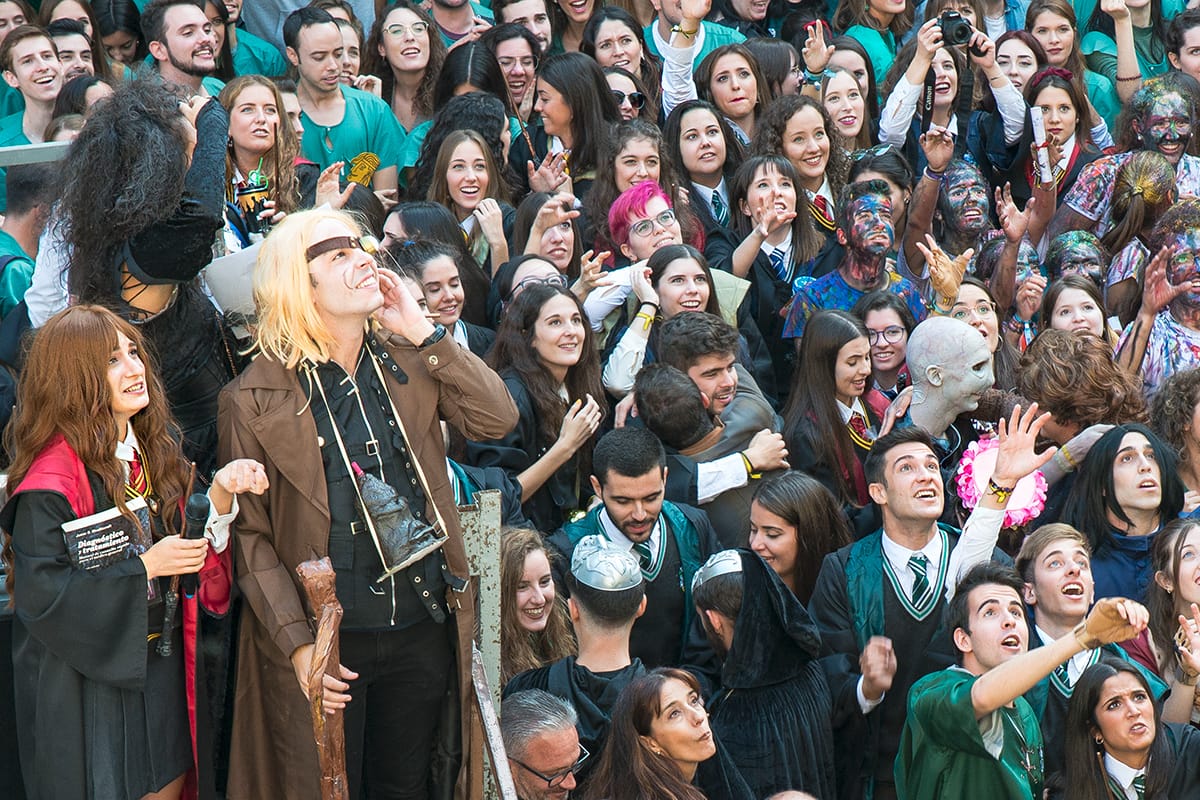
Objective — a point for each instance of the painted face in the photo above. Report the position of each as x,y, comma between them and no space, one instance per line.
715,376
1080,256
1075,310
405,41
578,11
889,339
663,230
75,55
998,628
1137,481
467,178
701,144
128,392
1125,719
254,120
559,335
443,290
912,489
618,46
1056,36
774,539
519,65
531,15
1167,125
851,370
853,63
968,195
1187,60
1058,112
945,85
683,286
1184,267
1062,585
681,728
976,309
633,503
1017,62
733,86
318,57
556,114
1027,262
629,100
806,145
535,592
769,188
844,104
897,194
871,230
36,71
73,11
351,54
345,281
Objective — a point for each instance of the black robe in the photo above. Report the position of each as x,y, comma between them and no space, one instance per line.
775,707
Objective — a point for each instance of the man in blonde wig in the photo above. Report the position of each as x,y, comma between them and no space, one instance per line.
351,375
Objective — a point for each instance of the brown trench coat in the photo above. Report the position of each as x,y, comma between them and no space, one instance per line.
262,417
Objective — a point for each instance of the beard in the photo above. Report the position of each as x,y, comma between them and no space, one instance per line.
190,68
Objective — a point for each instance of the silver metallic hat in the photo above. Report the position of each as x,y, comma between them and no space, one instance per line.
721,563
600,564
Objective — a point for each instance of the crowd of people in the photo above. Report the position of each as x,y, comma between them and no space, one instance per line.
837,365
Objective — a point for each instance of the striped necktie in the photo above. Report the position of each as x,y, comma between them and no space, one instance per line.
1139,786
644,554
138,481
778,258
921,591
720,210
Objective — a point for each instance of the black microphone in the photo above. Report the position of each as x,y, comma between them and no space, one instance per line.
196,515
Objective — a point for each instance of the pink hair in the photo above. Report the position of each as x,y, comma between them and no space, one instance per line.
630,205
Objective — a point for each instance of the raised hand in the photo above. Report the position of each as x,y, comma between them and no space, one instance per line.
1157,290
1013,221
1029,295
1016,456
1115,9
580,422
938,146
591,273
491,220
400,312
1187,644
642,288
980,43
816,53
1112,619
771,219
945,273
328,187
551,175
767,451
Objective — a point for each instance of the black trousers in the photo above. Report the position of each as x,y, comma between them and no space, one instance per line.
394,709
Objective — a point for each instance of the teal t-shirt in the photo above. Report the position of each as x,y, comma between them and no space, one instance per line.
11,134
367,139
11,100
715,35
880,47
481,11
254,56
1100,51
17,274
1103,95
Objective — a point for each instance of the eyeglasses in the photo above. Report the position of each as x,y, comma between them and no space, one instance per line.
550,280
636,99
644,227
555,780
891,335
870,152
399,29
984,310
526,62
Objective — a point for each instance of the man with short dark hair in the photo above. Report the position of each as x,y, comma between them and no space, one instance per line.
533,15
879,601
341,123
182,43
459,19
74,47
30,63
608,594
969,733
670,541
541,743
30,197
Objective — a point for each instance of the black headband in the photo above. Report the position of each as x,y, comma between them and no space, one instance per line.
368,244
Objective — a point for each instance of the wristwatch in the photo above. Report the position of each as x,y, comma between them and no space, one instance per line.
439,333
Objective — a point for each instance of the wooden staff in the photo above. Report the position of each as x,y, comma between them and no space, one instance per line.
318,578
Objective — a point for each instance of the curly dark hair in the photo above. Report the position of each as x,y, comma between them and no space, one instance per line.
124,173
1173,409
375,63
768,138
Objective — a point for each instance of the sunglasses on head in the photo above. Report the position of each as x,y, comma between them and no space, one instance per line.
636,99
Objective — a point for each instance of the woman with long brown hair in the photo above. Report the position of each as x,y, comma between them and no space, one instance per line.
534,628
92,432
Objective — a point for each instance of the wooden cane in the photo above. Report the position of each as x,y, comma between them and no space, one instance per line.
317,577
